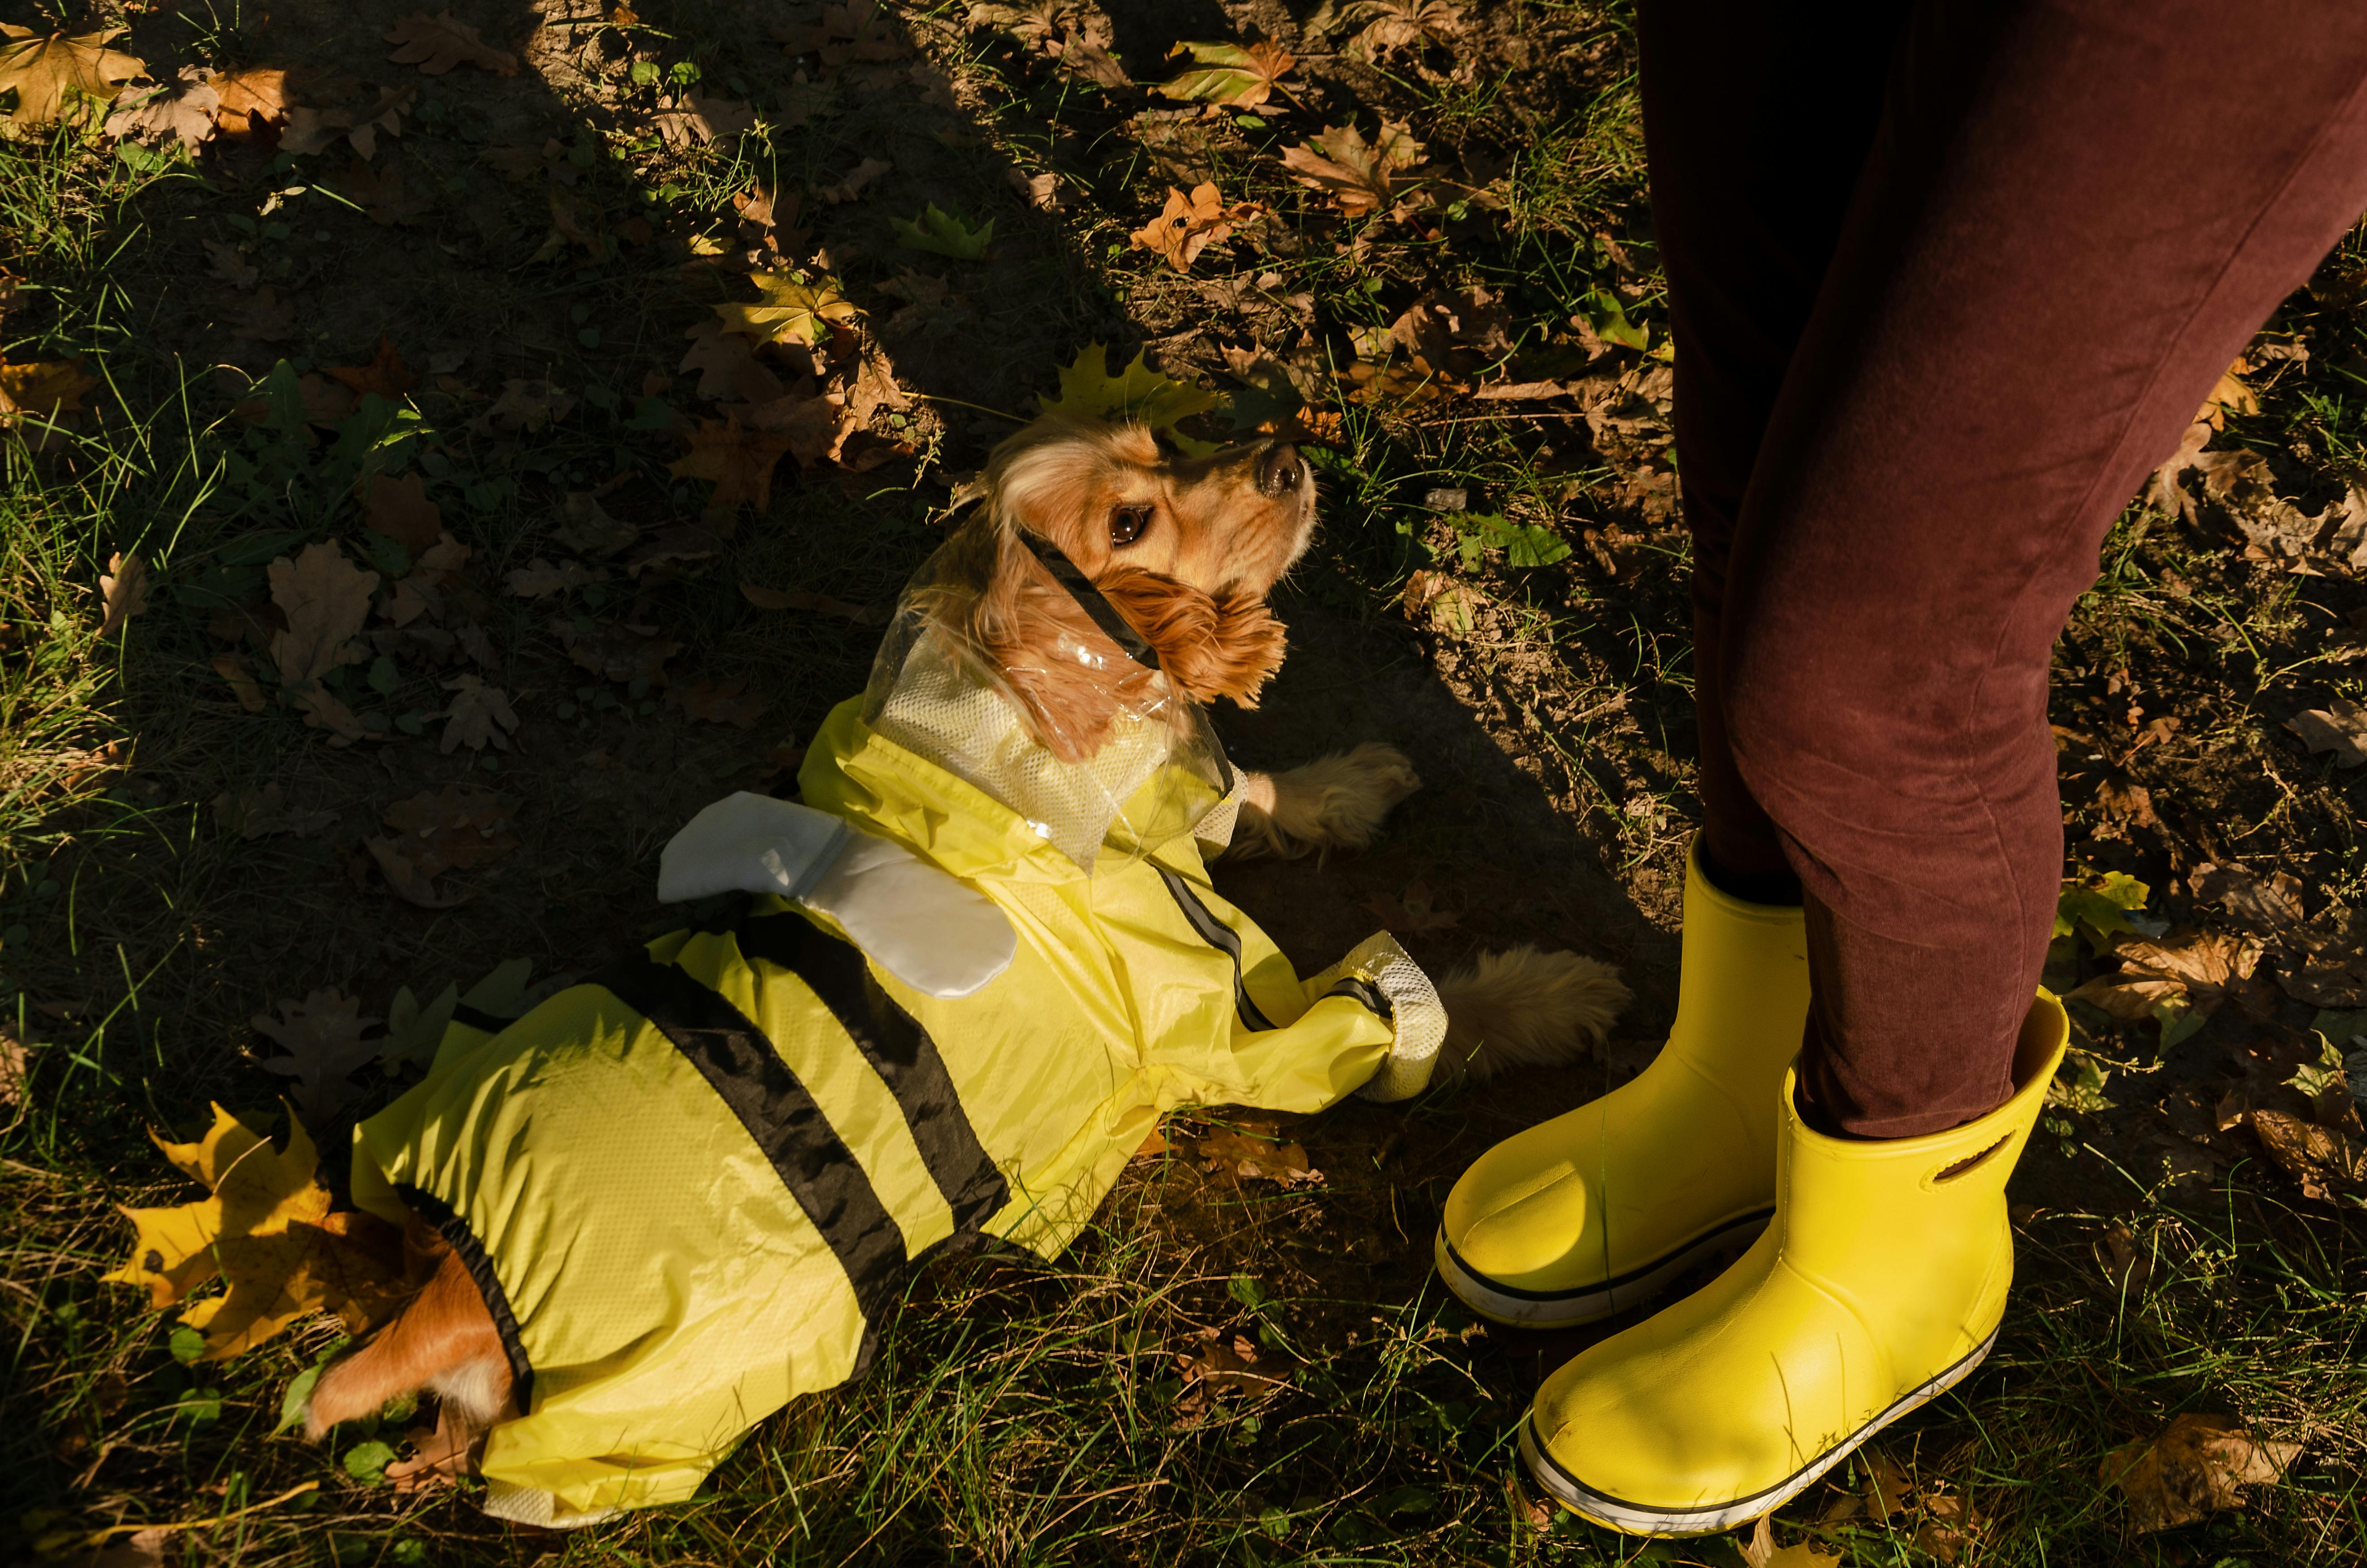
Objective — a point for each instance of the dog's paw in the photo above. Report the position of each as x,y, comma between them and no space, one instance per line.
1338,803
1524,1008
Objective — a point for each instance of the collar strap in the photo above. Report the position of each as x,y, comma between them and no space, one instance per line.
1089,598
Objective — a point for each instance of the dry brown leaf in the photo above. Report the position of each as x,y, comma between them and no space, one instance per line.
1219,1363
57,77
185,110
436,44
858,30
478,714
700,118
43,389
322,1038
230,264
2340,728
621,653
527,406
316,128
1412,911
266,1230
587,526
382,195
251,100
2194,1466
1188,225
2324,1160
728,367
123,592
849,188
233,668
1359,177
259,813
739,461
399,509
386,374
819,604
410,884
2261,903
15,1099
326,600
540,579
267,318
1250,1157
729,703
1391,26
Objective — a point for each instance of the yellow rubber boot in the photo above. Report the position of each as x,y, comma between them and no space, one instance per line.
1878,1286
1594,1211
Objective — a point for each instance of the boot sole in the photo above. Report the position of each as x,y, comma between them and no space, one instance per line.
1637,1518
1546,1309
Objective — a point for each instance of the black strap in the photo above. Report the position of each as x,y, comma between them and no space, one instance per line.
1376,1001
477,1018
471,1254
740,1064
899,1048
1218,935
1114,626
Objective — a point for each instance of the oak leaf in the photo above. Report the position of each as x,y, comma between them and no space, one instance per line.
322,1038
325,600
2194,1466
267,318
2324,1160
478,714
436,44
849,188
730,703
57,77
233,668
621,653
788,310
1227,74
1359,177
185,110
700,118
124,592
398,509
679,545
316,128
231,264
382,195
585,525
540,579
266,1230
1137,392
527,406
2340,728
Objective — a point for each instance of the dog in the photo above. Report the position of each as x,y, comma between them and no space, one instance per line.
672,1198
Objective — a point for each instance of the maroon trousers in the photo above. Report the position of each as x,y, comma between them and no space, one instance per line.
1945,280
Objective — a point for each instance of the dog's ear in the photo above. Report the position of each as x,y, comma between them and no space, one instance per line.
1027,627
1210,645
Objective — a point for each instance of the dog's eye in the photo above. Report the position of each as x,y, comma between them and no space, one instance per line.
1127,524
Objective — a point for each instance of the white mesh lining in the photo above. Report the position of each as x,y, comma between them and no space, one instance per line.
532,1505
977,735
1419,1018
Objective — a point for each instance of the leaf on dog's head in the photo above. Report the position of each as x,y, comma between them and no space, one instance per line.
788,310
1138,392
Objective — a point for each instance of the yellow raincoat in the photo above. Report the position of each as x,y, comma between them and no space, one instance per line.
689,1189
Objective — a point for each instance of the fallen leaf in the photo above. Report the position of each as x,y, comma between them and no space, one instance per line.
1227,74
726,704
2341,729
399,509
1411,911
819,604
726,365
1251,1157
1359,177
942,234
54,77
386,374
410,884
849,188
123,592
478,713
2129,803
700,118
739,463
1220,1363
2102,908
1082,56
788,310
621,653
313,128
1391,26
2324,1160
527,406
1042,191
13,1096
539,578
183,110
678,546
233,668
858,30
1138,392
230,264
2194,1466
1187,226
44,390
587,526
381,194
259,813
267,1231
436,44
267,318
249,101
2261,903
326,600
322,1038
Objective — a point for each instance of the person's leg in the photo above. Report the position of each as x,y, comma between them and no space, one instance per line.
1757,119
2075,214
2051,260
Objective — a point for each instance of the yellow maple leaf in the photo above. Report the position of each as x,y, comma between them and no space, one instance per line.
267,1230
52,74
46,390
1138,392
788,310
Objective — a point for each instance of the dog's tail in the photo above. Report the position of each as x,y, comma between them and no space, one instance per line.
1525,1008
443,1340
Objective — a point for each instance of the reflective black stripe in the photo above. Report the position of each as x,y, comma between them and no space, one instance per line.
899,1048
477,1018
779,1113
1375,1000
465,1245
1089,598
1218,935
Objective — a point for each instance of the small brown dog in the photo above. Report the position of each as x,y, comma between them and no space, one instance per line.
1104,579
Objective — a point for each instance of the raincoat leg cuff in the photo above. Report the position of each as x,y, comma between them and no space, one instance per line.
1377,965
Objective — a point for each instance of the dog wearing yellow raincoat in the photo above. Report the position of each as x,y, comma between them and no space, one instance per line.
976,965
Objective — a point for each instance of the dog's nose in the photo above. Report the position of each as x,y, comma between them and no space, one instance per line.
1278,469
